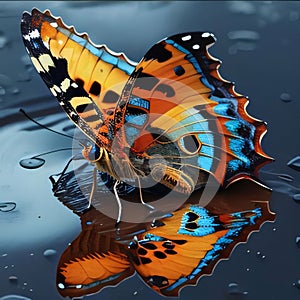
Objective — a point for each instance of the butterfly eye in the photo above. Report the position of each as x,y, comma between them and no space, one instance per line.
94,153
190,144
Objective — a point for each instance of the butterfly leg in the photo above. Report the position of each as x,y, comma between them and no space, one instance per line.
93,186
141,197
119,203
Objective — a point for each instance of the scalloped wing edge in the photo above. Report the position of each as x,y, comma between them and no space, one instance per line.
85,36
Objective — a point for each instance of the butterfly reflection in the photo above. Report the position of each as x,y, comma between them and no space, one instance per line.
193,237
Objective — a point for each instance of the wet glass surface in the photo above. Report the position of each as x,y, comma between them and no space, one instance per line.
258,44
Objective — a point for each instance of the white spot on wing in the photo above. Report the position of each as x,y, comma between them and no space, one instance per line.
186,38
72,113
196,47
37,64
26,37
46,44
206,34
46,61
34,34
65,84
31,35
52,90
74,85
54,24
57,88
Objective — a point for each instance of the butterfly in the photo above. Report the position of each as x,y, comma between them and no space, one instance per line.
164,124
174,251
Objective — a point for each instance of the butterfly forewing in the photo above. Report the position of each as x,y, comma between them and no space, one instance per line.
87,80
178,87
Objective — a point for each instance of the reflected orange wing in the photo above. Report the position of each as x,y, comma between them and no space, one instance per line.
187,246
90,263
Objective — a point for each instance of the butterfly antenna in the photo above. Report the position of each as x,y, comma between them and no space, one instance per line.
53,151
49,129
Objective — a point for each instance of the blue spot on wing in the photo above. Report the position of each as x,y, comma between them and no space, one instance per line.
124,66
94,50
138,120
109,58
206,83
131,134
139,102
236,146
205,163
79,40
207,150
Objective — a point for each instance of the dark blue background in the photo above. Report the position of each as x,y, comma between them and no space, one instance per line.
263,68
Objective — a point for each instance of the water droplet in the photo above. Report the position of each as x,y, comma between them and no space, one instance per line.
32,163
285,97
135,293
294,163
49,252
61,286
297,198
260,255
3,40
286,177
26,60
298,241
7,206
14,90
2,91
233,288
248,251
14,297
4,254
25,283
31,254
13,279
274,229
241,7
6,267
295,284
23,77
244,35
248,269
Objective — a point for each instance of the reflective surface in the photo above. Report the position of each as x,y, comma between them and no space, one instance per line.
262,59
